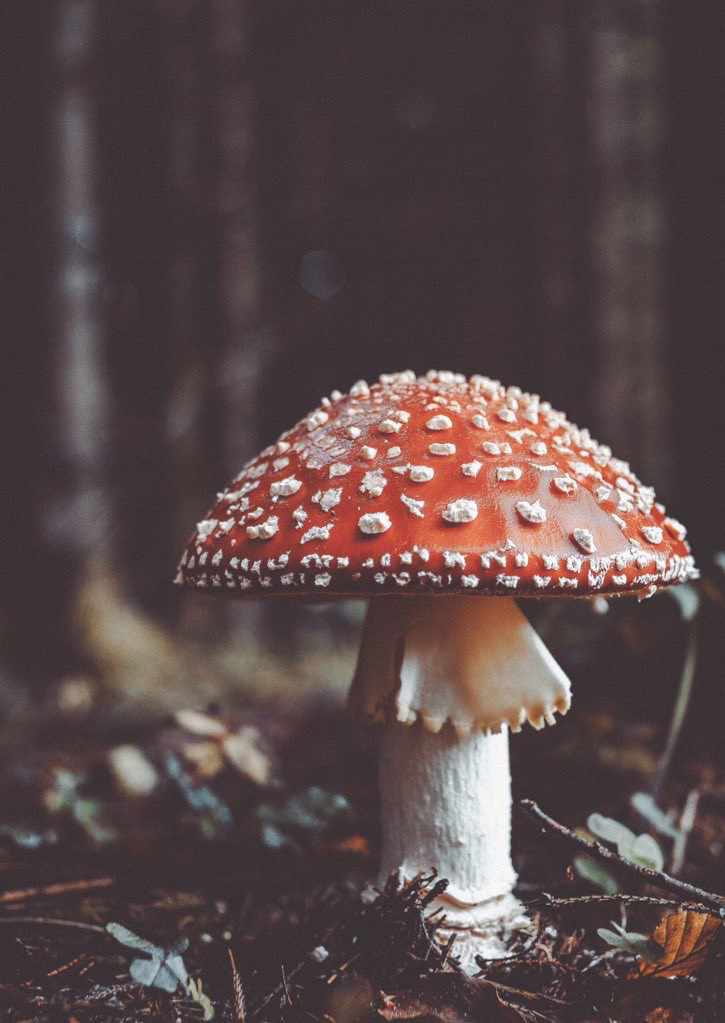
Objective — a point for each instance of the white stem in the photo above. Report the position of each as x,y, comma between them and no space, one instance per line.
446,803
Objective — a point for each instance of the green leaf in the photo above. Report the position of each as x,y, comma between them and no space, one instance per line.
642,849
590,870
646,807
645,851
609,830
165,969
632,942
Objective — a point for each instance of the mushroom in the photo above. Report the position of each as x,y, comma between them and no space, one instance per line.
429,492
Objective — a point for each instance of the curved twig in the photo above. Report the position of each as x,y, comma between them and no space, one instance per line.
594,848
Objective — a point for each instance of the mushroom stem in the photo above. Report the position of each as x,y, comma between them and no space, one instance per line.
450,675
446,803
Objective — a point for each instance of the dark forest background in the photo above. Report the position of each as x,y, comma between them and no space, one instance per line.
215,211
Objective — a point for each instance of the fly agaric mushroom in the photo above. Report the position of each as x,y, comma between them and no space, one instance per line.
429,492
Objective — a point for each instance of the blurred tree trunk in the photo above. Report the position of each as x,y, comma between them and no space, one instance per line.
562,317
57,517
694,93
626,114
143,339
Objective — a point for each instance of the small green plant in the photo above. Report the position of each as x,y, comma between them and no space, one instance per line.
162,968
647,808
641,849
632,942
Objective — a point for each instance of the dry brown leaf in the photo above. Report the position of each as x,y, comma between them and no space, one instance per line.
206,757
685,937
241,748
663,1015
200,724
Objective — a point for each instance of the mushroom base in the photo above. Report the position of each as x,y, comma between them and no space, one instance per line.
486,930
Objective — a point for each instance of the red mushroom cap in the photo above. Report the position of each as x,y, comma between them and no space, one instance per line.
436,484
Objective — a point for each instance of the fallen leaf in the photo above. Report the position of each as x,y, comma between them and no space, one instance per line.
200,724
685,938
663,1015
241,748
243,752
207,758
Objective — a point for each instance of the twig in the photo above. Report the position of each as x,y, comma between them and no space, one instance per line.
288,977
528,996
240,1008
554,902
20,894
333,976
43,920
286,988
682,704
446,950
655,877
687,823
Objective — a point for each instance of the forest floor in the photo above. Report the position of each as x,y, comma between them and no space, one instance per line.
234,851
